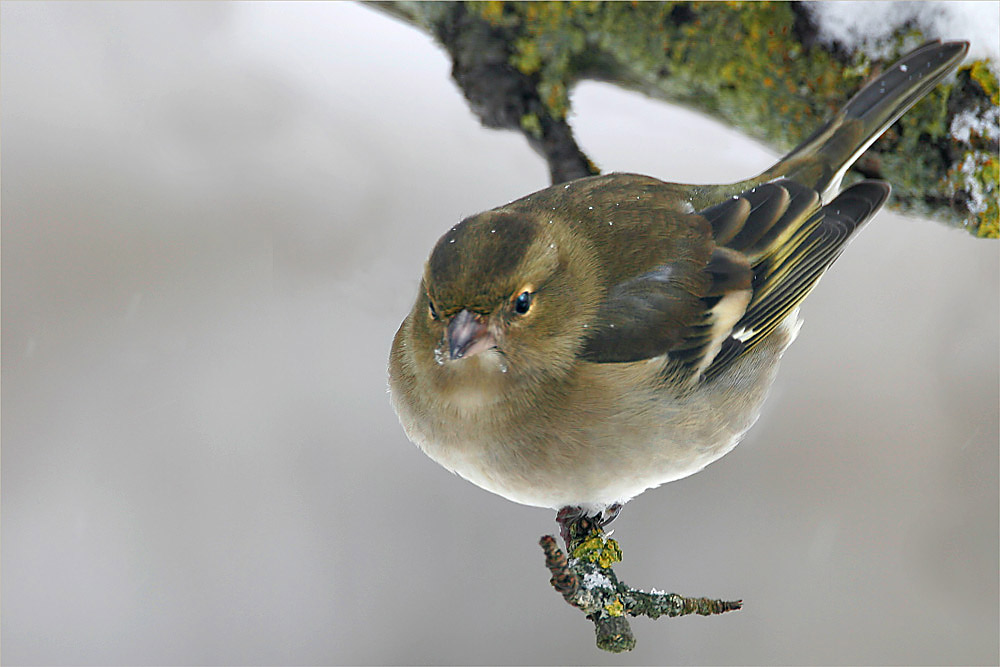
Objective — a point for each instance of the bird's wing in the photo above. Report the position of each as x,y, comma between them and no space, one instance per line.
645,316
687,306
771,245
787,263
751,226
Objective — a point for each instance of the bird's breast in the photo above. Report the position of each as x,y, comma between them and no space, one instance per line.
602,435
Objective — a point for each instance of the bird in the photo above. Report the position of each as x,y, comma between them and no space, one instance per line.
601,337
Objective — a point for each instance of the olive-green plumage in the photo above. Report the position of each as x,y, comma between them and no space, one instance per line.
601,337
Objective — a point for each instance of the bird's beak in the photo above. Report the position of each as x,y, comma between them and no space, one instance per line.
468,334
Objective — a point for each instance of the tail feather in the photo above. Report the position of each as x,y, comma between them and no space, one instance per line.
789,224
821,161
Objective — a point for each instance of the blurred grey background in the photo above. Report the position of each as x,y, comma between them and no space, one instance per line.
214,219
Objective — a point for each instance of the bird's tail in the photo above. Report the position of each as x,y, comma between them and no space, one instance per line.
822,160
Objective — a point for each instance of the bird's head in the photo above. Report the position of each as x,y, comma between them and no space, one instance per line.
501,305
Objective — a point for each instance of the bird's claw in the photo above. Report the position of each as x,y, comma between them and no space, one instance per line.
575,524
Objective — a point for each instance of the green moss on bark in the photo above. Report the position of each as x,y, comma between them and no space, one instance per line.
753,65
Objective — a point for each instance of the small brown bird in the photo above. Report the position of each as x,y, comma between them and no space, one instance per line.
600,337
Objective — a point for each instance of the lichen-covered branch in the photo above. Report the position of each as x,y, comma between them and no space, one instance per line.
756,66
587,581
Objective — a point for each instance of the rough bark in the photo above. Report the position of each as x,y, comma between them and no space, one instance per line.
587,581
755,66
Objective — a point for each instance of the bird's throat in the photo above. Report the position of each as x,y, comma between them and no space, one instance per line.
475,382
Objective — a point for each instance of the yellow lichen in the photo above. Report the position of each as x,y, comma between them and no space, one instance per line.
981,74
492,11
989,220
598,549
526,57
615,608
531,124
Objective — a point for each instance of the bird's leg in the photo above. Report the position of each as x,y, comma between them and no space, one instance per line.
566,518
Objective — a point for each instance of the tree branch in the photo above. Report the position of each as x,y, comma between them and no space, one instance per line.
588,582
757,67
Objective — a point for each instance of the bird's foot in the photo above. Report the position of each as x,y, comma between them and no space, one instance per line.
575,524
610,513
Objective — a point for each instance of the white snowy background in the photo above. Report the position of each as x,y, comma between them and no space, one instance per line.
214,219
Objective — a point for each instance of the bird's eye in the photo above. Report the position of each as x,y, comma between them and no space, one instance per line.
431,310
523,303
